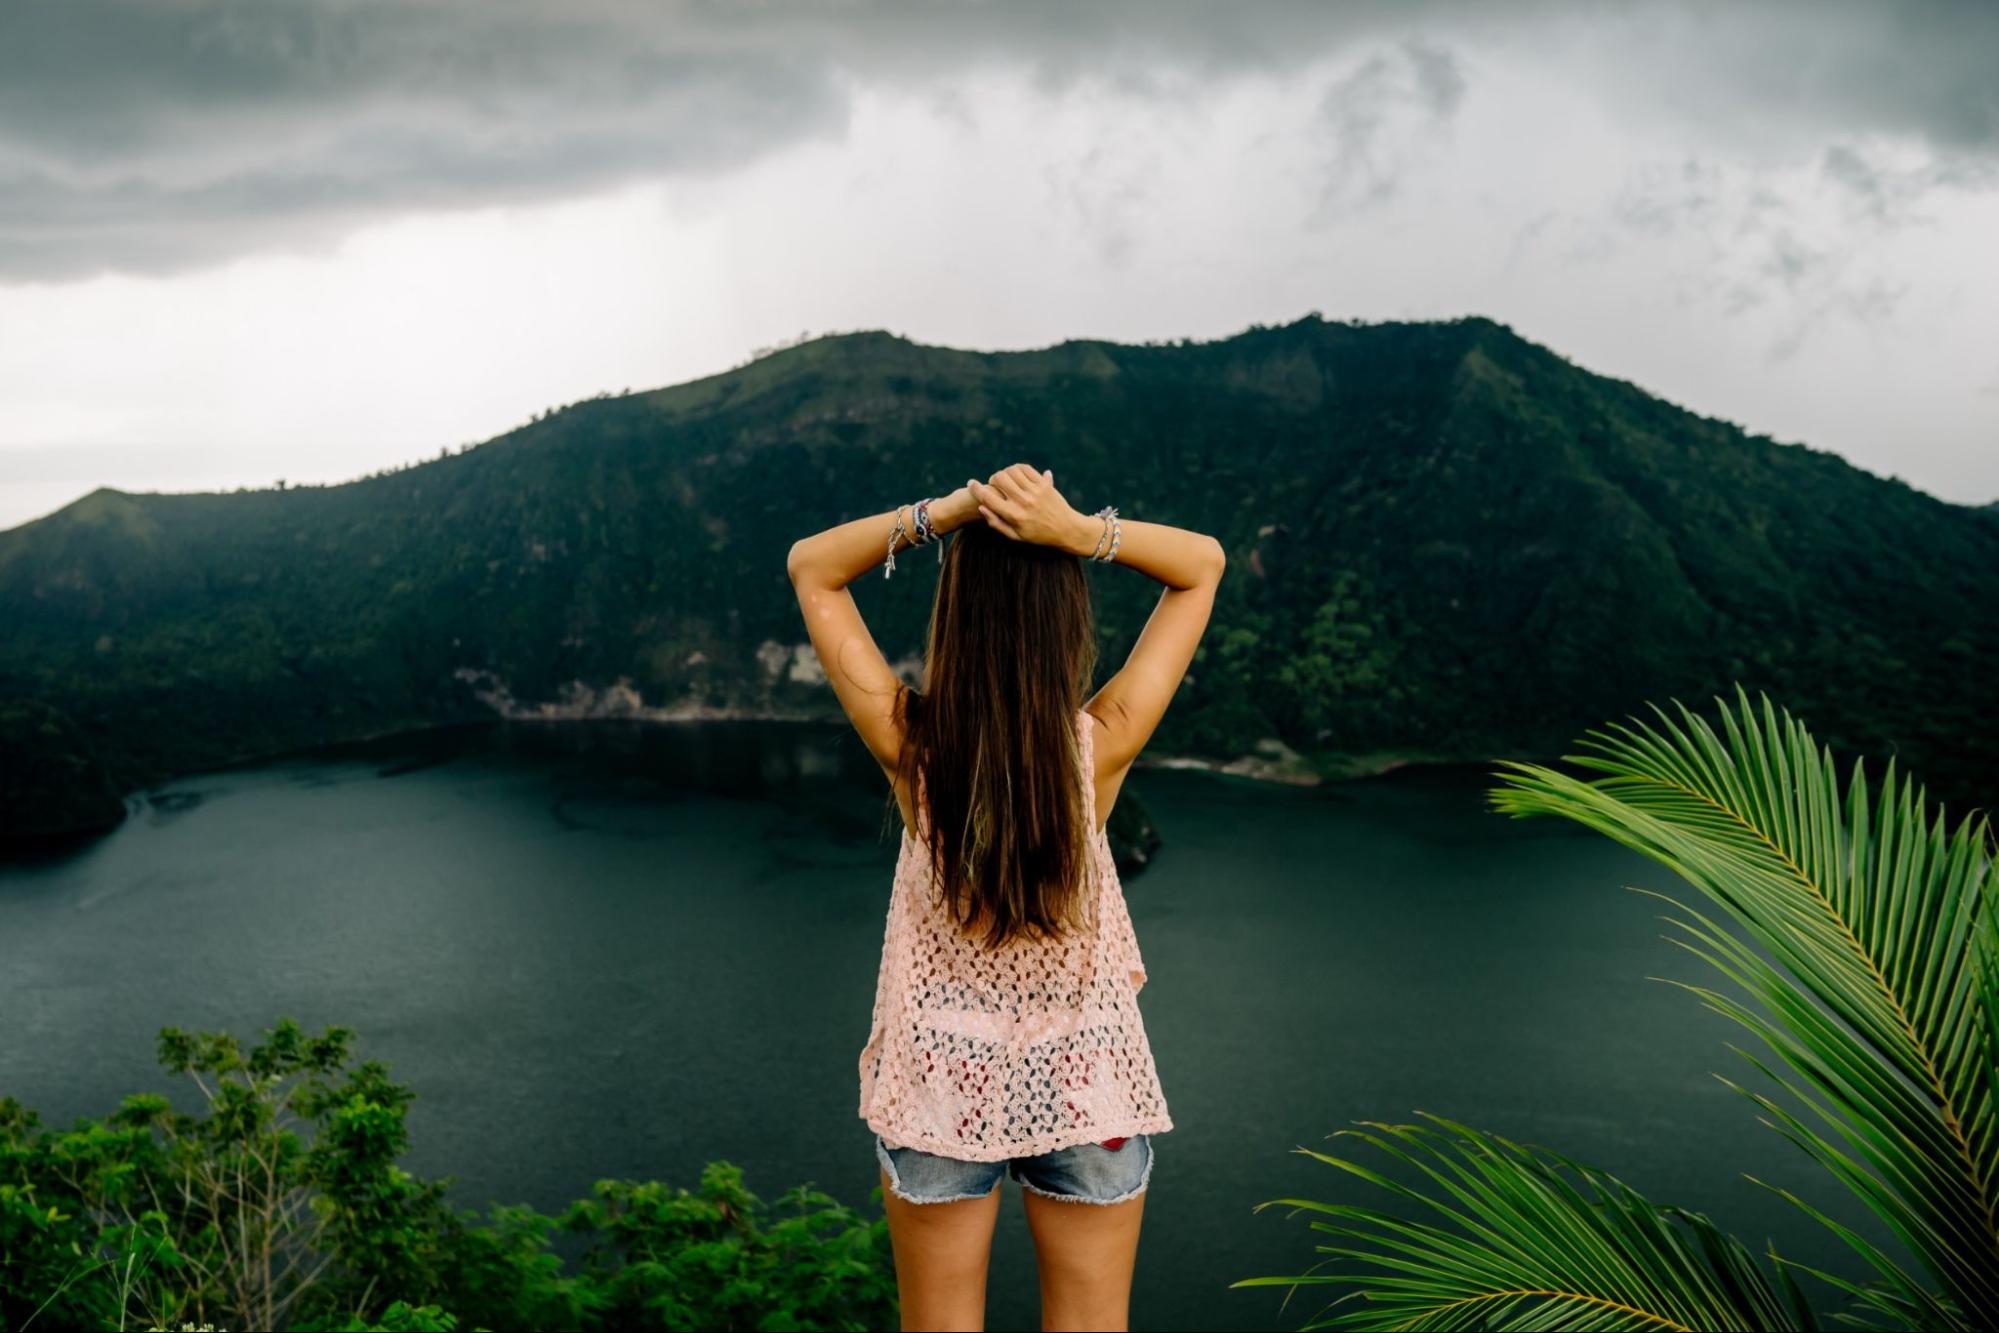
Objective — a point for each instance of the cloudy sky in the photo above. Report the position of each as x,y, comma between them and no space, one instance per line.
311,238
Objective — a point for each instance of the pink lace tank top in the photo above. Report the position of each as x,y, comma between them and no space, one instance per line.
985,1054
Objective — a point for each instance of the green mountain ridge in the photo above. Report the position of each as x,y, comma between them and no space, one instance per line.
1445,541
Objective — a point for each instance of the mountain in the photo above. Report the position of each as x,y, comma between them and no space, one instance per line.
1446,542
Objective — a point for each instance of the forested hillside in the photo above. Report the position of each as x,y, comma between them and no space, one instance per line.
1444,541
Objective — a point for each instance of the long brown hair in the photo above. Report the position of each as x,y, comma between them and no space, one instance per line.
1012,648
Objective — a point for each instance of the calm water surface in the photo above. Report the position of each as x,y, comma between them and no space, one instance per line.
605,950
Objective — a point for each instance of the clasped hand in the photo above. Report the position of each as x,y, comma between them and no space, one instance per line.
1022,503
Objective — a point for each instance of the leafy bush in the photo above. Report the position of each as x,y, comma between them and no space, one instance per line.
280,1205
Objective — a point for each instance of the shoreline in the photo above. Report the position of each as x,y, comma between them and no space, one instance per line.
1273,762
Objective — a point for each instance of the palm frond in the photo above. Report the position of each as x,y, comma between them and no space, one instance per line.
1988,970
1529,1241
1884,1004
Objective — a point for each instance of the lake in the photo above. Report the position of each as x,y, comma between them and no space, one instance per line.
617,950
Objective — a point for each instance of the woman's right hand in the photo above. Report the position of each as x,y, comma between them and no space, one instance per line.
1022,503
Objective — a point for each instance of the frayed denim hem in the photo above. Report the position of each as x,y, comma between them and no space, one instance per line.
1144,1179
895,1180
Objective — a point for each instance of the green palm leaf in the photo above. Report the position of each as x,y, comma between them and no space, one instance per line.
1529,1241
1988,956
1862,946
1883,1006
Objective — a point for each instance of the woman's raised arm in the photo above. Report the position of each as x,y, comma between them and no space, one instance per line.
821,566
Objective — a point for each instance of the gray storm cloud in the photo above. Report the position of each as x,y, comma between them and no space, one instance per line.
158,137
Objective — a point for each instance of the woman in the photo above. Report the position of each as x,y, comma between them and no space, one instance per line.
1006,1037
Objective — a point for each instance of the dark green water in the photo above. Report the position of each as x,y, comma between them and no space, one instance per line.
605,950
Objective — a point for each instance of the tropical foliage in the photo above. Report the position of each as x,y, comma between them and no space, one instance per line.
280,1205
1858,937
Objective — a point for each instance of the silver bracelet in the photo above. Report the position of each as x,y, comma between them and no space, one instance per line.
898,530
1112,529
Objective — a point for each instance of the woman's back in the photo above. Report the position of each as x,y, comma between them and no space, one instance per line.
985,1054
1031,1053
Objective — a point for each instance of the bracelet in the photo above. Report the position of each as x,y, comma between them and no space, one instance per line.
898,530
926,532
929,529
1113,530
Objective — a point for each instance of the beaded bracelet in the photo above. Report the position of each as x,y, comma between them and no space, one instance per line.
926,531
1113,530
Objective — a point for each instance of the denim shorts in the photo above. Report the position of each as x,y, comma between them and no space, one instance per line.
1083,1173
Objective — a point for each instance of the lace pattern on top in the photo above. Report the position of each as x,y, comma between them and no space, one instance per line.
985,1054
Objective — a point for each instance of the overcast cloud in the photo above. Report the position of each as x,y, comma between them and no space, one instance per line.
309,238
